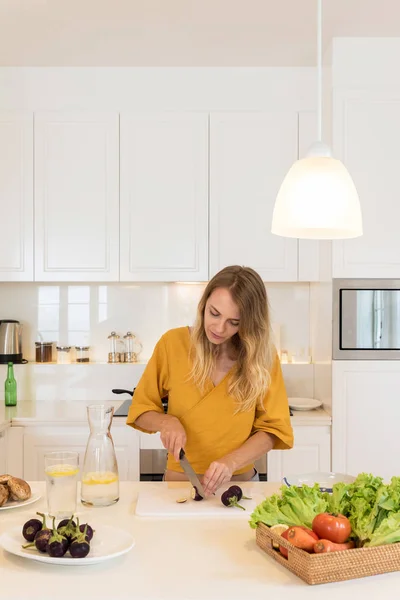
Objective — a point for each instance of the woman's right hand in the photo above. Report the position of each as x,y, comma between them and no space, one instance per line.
173,435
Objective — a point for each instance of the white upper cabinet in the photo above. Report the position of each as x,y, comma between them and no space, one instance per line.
16,196
164,197
366,128
76,196
250,154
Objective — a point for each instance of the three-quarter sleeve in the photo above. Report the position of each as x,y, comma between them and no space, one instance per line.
153,386
275,418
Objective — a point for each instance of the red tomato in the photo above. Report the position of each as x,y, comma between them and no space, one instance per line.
333,528
283,550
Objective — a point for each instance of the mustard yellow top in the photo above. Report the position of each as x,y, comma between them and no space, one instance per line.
213,429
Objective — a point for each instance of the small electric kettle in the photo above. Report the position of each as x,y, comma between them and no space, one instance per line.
10,342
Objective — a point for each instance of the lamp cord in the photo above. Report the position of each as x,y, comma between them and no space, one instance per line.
319,69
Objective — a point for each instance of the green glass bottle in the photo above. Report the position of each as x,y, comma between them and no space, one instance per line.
10,387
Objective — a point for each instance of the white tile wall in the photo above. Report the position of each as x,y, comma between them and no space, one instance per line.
76,314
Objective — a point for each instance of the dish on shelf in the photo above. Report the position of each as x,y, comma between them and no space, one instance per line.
326,481
304,403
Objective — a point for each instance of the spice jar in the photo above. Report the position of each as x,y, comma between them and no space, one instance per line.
114,354
44,352
64,355
82,354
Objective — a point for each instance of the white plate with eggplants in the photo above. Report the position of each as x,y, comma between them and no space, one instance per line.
107,543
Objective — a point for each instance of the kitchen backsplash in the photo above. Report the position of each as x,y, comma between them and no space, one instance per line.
76,314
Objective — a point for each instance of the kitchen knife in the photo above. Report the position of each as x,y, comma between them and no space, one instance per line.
187,467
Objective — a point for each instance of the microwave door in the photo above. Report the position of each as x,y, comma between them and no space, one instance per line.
378,318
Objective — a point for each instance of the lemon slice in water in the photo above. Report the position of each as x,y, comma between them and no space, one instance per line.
99,478
62,471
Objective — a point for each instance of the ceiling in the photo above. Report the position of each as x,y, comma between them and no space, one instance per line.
182,32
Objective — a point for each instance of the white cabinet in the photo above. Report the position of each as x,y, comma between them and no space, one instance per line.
366,128
311,452
38,441
16,196
76,196
250,154
164,197
366,416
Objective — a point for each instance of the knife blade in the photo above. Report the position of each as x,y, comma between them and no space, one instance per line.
187,467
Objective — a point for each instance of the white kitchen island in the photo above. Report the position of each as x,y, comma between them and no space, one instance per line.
173,559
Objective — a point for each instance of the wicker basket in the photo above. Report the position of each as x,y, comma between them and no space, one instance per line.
334,566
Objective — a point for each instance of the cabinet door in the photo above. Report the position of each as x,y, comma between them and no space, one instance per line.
366,128
250,154
365,417
311,452
16,196
39,441
164,197
76,196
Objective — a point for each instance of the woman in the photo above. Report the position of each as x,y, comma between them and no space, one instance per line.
227,404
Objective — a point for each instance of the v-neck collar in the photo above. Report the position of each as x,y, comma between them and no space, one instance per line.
213,386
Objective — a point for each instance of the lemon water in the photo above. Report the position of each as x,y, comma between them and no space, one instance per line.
100,488
61,488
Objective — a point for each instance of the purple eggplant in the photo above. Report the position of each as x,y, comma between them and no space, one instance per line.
230,499
42,537
195,494
80,547
67,528
89,531
31,528
237,491
57,544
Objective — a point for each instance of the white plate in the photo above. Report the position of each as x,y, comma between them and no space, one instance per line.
325,480
108,542
18,503
304,403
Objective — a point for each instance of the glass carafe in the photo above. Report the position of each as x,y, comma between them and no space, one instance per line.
100,481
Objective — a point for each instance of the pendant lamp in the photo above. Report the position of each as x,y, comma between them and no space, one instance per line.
317,198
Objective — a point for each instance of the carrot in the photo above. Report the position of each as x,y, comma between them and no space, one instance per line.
301,539
326,546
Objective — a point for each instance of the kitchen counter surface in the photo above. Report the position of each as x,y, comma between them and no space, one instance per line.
173,559
60,412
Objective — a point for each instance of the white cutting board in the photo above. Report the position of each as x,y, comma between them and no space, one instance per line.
160,500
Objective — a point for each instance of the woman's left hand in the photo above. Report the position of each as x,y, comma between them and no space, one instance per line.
219,472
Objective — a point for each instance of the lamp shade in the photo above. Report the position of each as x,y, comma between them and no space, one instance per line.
317,200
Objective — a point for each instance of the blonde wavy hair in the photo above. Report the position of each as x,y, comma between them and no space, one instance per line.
250,379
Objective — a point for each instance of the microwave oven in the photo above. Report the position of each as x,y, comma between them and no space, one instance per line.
366,319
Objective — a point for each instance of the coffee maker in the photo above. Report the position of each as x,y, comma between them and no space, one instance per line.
11,342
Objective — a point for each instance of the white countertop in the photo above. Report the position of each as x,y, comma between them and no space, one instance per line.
173,559
60,412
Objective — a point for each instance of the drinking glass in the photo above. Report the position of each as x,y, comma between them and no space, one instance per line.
61,473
